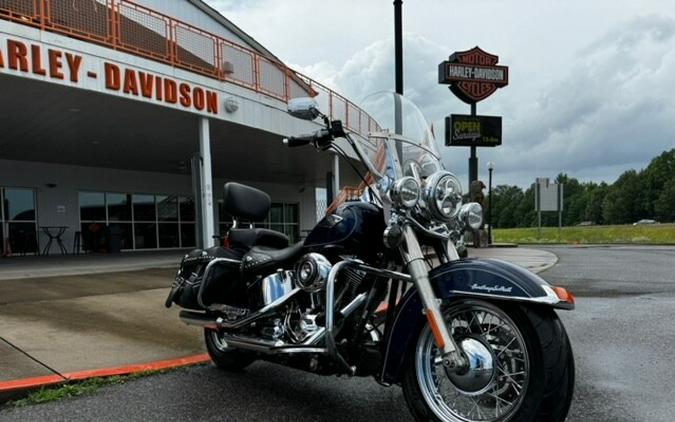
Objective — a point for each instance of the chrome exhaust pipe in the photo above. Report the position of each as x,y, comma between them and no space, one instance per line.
270,347
200,319
251,343
260,345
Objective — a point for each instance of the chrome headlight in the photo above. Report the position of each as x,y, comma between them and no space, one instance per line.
472,215
443,195
405,192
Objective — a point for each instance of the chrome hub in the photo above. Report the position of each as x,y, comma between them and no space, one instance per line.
477,378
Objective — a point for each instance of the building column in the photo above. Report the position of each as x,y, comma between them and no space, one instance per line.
206,217
336,175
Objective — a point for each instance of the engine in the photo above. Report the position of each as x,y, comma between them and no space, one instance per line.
303,316
312,272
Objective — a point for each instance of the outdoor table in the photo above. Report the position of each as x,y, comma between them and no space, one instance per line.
54,235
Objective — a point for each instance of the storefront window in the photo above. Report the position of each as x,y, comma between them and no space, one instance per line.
19,204
92,206
167,208
187,208
22,237
119,206
282,218
277,214
145,235
291,213
291,222
187,235
119,221
120,238
94,236
144,207
168,235
18,222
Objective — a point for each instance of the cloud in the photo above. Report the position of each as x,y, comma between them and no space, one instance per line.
228,6
610,110
590,82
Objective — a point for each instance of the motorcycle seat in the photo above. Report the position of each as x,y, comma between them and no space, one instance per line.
265,258
248,238
245,202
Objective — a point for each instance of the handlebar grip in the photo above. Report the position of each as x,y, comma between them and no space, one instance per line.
298,141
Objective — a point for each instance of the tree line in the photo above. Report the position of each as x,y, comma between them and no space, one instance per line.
635,195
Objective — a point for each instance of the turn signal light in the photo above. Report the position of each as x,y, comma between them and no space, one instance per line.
438,338
564,295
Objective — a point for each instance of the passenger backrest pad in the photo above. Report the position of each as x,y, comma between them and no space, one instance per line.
241,201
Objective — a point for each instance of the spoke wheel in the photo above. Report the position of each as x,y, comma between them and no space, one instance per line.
492,389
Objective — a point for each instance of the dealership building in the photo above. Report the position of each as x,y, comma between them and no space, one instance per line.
121,121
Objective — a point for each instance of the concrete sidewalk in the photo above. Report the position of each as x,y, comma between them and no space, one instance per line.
535,260
70,323
59,265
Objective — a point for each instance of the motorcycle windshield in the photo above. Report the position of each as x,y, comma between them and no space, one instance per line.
401,144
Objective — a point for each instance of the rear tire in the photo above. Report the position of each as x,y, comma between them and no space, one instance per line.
225,357
532,384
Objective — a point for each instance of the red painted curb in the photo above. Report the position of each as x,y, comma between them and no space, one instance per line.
21,384
34,382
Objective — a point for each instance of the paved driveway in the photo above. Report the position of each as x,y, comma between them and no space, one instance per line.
622,333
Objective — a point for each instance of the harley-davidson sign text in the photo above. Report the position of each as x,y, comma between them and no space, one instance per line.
473,75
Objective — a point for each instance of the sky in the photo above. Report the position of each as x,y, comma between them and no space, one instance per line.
592,82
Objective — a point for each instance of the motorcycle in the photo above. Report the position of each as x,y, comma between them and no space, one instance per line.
378,288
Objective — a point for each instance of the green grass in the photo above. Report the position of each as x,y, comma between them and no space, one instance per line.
76,388
626,234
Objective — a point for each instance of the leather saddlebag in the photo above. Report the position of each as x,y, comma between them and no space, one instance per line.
222,285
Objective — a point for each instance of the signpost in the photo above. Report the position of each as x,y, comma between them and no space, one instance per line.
470,131
473,75
548,197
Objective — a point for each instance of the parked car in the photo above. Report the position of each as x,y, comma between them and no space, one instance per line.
645,221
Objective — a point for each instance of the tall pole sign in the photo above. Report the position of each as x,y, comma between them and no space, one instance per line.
398,59
473,75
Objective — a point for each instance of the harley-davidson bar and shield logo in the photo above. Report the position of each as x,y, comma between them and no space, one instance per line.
473,75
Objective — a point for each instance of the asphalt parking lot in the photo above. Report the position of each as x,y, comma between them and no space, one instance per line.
622,334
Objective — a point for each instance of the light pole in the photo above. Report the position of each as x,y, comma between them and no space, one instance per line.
490,166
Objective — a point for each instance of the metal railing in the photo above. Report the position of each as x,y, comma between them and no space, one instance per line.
126,26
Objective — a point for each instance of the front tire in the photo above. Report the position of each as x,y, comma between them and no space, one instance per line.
523,366
225,357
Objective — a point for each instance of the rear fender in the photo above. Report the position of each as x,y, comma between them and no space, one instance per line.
488,279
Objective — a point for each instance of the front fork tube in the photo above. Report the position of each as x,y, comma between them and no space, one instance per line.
453,357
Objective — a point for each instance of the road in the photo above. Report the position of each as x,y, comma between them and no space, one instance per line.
622,333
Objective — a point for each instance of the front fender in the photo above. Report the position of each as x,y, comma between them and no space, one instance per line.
490,279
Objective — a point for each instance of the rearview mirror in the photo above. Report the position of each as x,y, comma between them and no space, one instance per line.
304,108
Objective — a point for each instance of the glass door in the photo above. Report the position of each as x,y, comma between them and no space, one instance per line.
18,224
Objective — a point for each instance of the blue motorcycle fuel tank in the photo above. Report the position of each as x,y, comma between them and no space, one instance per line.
355,228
